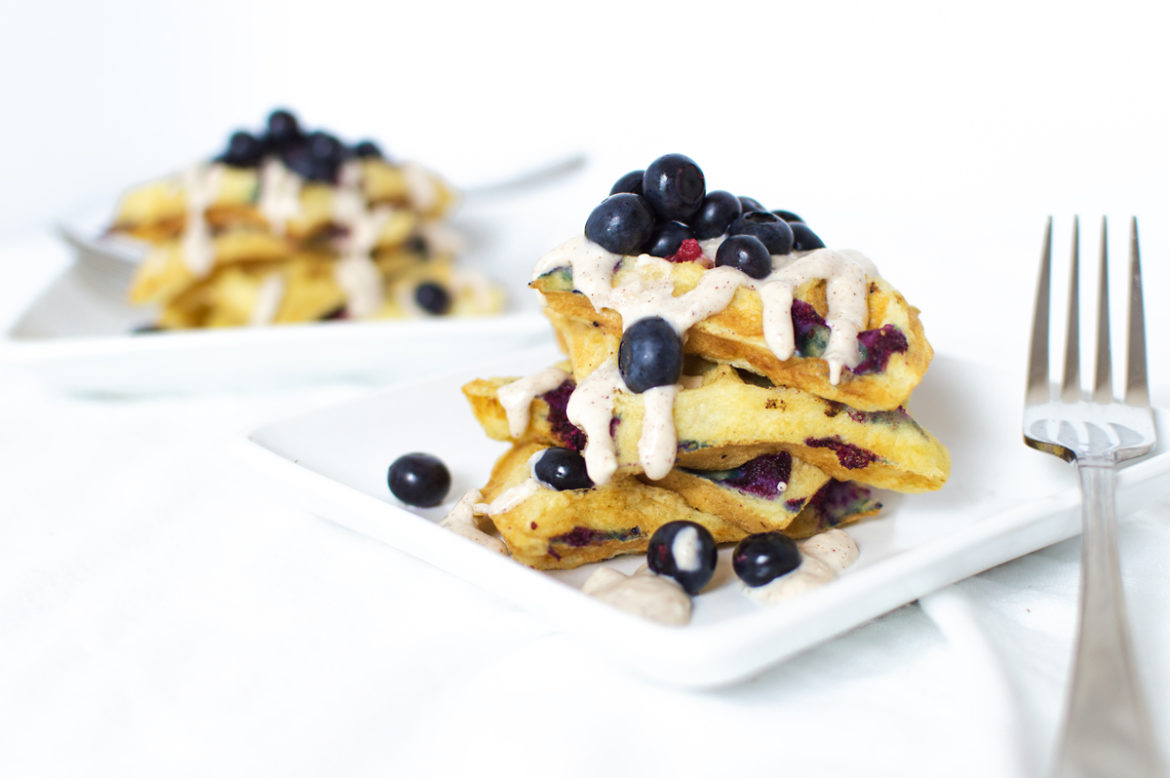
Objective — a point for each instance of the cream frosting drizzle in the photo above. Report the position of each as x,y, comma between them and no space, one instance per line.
590,407
355,272
268,299
516,397
649,291
280,194
200,185
461,521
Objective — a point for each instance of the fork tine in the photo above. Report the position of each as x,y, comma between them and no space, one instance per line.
1070,386
1136,388
1103,383
1037,391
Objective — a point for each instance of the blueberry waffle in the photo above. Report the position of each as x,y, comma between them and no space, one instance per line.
724,369
294,226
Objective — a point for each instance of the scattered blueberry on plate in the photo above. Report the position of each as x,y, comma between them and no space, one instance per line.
684,551
761,558
419,479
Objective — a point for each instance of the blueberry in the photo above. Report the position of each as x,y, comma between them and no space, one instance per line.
650,355
419,479
773,231
745,253
668,239
432,298
788,216
622,224
367,149
631,182
562,468
244,150
718,211
750,204
763,557
283,129
325,147
684,551
299,159
674,187
804,239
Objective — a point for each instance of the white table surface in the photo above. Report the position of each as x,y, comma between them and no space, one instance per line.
164,612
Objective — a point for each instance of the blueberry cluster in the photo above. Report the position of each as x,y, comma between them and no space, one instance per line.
317,155
654,210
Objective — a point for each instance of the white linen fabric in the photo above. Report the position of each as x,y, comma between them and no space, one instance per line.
165,612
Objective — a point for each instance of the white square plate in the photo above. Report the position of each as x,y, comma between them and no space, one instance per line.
1003,500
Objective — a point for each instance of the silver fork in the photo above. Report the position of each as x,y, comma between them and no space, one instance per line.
1107,729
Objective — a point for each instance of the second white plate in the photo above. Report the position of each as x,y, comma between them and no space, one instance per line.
1003,501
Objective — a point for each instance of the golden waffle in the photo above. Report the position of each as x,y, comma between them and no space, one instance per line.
727,421
894,350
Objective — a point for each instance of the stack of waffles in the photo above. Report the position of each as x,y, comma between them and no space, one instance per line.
787,413
269,233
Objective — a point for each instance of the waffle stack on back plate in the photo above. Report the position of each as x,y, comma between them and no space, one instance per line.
291,227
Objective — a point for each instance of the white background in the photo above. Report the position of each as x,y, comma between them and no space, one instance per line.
165,616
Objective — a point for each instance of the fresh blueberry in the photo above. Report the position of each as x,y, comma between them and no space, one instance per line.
244,150
283,129
631,182
763,557
562,468
674,187
772,231
419,479
719,210
668,239
750,204
324,146
650,355
299,159
745,253
684,551
432,298
788,216
622,224
367,149
804,239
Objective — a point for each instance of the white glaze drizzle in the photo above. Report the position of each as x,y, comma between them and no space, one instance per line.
590,408
280,194
509,498
200,185
420,187
649,291
355,271
516,397
823,557
656,446
268,299
461,521
643,594
685,550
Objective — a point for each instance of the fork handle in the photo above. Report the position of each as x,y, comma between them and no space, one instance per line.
1107,729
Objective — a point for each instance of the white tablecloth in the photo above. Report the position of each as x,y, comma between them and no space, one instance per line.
164,612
